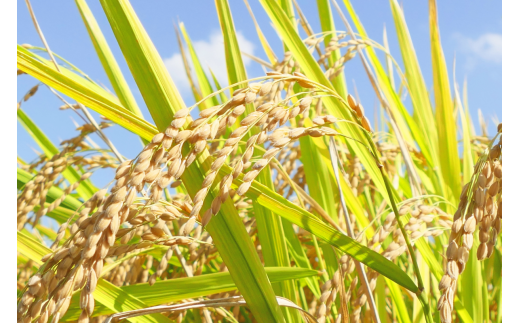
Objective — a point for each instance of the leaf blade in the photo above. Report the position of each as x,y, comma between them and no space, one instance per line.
108,60
87,93
450,165
173,290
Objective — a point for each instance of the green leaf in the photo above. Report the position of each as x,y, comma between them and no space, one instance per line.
274,249
380,294
173,290
108,60
222,95
194,89
83,91
319,176
293,213
152,251
205,86
398,300
118,300
299,256
321,184
60,214
404,121
265,44
499,300
287,7
446,126
461,311
428,256
234,64
239,255
30,247
423,113
270,229
471,280
467,154
327,24
151,76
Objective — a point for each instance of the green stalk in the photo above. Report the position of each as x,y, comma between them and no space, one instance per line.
420,284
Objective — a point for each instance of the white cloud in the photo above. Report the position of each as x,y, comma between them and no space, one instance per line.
211,54
487,47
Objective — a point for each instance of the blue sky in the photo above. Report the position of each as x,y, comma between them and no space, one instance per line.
471,30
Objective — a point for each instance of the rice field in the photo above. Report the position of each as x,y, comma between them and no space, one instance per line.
273,198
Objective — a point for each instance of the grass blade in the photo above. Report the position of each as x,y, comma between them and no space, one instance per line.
446,126
276,203
265,44
205,86
168,291
320,174
321,187
222,95
235,65
467,153
118,300
83,91
327,24
423,112
194,89
470,294
147,67
30,247
398,300
404,121
269,225
108,60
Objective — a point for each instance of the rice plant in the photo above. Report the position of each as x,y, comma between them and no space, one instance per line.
272,198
